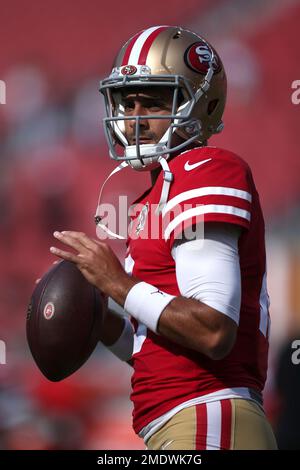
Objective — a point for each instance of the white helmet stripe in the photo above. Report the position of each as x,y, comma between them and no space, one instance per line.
138,45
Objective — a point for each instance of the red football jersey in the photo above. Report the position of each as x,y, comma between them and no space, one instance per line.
209,184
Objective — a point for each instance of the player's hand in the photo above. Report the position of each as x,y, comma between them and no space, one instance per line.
96,260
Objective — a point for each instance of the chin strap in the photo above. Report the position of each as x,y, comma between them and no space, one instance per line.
167,180
98,217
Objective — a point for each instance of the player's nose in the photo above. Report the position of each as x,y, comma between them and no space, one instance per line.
139,110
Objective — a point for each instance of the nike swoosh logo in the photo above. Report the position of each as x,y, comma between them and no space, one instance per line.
189,167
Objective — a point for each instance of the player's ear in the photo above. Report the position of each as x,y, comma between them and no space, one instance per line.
177,139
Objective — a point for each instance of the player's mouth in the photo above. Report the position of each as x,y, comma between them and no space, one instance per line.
142,141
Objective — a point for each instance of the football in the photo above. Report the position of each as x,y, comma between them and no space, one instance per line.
63,321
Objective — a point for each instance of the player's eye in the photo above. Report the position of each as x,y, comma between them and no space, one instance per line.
158,106
129,105
155,106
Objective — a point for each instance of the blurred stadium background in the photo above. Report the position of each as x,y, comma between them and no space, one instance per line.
53,158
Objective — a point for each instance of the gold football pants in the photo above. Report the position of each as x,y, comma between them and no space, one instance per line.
235,424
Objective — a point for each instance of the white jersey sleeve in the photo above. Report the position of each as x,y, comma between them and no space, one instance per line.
209,270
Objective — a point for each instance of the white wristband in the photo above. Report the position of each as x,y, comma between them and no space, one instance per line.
123,347
145,303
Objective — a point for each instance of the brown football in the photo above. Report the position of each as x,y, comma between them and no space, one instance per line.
64,318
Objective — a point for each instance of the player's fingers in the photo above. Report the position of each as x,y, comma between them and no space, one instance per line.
64,254
68,239
37,280
83,238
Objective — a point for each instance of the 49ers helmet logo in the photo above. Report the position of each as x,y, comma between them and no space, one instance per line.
198,56
128,70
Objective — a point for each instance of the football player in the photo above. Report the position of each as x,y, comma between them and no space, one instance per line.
194,284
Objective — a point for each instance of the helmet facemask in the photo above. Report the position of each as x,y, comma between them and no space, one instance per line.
140,155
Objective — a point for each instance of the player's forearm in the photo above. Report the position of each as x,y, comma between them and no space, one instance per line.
111,328
118,336
197,326
185,321
118,287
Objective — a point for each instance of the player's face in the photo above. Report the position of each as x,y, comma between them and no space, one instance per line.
148,101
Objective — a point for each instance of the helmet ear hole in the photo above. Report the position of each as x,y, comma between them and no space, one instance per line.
181,97
212,106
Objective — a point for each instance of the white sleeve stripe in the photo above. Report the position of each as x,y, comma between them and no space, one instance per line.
206,191
264,302
205,209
